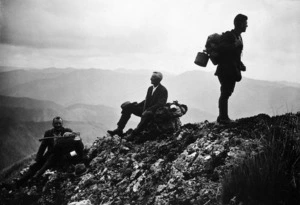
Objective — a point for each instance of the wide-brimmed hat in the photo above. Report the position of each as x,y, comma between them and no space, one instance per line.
69,134
80,169
123,105
183,108
73,135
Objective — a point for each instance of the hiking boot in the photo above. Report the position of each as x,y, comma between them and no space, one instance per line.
132,135
117,131
225,121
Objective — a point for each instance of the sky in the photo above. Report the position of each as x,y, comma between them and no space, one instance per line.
162,35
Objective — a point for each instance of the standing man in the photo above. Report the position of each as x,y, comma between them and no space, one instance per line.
157,96
230,64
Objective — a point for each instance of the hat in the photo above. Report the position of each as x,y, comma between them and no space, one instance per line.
69,134
183,108
80,169
125,104
158,75
173,106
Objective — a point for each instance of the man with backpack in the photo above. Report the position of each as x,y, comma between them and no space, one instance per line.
230,64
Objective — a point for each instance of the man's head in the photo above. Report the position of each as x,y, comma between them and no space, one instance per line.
240,22
57,122
156,78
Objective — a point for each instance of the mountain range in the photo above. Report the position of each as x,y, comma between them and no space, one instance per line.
197,89
89,101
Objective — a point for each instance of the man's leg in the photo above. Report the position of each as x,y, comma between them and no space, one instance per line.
126,114
79,147
32,170
144,121
227,88
48,164
223,105
132,108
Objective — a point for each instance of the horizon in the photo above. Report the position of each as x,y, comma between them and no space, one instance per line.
165,72
148,35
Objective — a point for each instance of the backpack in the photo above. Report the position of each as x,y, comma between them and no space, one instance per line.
211,46
166,118
170,111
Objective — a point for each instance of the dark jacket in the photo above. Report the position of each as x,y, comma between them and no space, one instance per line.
49,144
158,99
230,56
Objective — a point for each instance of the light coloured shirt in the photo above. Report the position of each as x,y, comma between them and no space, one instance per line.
154,88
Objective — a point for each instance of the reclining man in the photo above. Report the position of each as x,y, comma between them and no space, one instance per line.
55,152
157,96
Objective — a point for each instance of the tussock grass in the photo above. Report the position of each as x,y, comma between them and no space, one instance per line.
272,176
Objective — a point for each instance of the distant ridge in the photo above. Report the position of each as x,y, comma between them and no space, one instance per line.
198,89
24,120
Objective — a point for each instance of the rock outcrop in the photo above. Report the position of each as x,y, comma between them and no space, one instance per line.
184,167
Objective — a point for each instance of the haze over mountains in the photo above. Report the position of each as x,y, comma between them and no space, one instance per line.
198,89
24,120
89,100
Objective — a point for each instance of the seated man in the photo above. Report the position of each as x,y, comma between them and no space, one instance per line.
157,96
67,150
42,160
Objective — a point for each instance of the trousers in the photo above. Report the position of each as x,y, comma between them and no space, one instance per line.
227,88
137,110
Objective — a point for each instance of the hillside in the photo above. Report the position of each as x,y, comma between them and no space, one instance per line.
26,109
24,120
19,139
253,161
10,79
197,89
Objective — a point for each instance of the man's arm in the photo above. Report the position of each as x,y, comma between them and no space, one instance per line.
42,147
68,130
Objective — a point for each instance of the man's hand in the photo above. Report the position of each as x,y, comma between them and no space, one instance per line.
147,113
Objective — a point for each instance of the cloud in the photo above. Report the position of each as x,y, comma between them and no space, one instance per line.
79,25
117,26
137,34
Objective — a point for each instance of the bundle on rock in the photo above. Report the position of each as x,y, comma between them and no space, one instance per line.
166,118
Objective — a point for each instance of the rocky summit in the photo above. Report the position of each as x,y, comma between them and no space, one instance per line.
197,164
